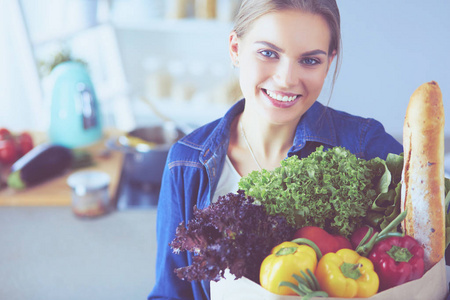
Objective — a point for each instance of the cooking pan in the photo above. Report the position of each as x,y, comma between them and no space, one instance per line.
146,150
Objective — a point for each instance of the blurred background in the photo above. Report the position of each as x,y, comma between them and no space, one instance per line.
174,53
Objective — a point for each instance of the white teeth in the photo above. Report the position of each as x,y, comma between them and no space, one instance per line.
280,97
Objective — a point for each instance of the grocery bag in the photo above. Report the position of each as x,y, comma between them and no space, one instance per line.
432,286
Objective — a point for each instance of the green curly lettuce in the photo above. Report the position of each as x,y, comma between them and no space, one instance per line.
330,189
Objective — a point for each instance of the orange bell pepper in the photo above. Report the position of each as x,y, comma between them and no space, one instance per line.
286,259
346,274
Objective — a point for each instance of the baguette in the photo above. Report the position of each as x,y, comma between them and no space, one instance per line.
422,193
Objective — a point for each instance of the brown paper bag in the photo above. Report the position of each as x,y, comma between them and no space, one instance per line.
432,286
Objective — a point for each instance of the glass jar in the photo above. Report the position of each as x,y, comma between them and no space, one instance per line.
90,195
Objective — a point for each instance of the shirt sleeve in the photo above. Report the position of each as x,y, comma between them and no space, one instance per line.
181,187
168,285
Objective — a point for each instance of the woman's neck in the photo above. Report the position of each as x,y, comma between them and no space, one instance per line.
269,142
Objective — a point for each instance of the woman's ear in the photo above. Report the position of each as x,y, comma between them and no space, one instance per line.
330,59
234,48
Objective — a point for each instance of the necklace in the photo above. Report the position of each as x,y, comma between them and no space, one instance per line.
248,146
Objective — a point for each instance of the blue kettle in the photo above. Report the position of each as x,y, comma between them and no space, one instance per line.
75,115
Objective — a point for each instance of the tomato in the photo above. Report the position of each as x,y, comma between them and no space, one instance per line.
24,143
12,147
343,242
325,241
8,152
359,234
5,134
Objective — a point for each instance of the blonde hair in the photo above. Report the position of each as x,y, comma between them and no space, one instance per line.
251,10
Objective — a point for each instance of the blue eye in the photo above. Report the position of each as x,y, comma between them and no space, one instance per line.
268,53
310,61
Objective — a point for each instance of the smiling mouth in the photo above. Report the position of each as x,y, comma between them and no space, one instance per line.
280,97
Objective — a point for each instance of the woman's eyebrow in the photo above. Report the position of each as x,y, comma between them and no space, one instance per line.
314,52
276,48
270,45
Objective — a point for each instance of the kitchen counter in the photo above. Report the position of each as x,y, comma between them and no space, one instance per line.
47,253
56,192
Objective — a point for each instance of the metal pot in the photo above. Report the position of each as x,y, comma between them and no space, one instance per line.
146,152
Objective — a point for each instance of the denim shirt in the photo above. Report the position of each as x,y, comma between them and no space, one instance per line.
195,162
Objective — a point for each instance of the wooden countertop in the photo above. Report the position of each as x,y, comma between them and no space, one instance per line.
56,192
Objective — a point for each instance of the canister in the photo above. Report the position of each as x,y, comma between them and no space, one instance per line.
90,194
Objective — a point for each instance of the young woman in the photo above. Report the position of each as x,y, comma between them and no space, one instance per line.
284,50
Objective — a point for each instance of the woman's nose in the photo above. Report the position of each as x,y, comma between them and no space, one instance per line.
287,74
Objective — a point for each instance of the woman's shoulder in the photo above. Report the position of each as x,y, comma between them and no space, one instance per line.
197,138
208,138
363,135
352,122
345,116
195,145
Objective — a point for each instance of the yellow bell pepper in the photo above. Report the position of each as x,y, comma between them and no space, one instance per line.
346,274
286,259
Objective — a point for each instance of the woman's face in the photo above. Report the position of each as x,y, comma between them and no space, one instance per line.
283,61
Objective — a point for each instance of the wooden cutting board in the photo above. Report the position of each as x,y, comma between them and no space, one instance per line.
56,192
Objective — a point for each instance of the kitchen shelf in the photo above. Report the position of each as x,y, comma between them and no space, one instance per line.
203,65
189,25
186,114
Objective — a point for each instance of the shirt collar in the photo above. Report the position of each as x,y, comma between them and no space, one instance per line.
218,138
314,126
221,133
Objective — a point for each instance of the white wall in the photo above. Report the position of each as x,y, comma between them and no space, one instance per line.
20,91
391,47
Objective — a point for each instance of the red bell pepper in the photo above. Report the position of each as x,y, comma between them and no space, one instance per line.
397,260
324,241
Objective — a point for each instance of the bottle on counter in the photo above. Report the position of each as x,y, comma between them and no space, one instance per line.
179,9
158,81
182,88
205,9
